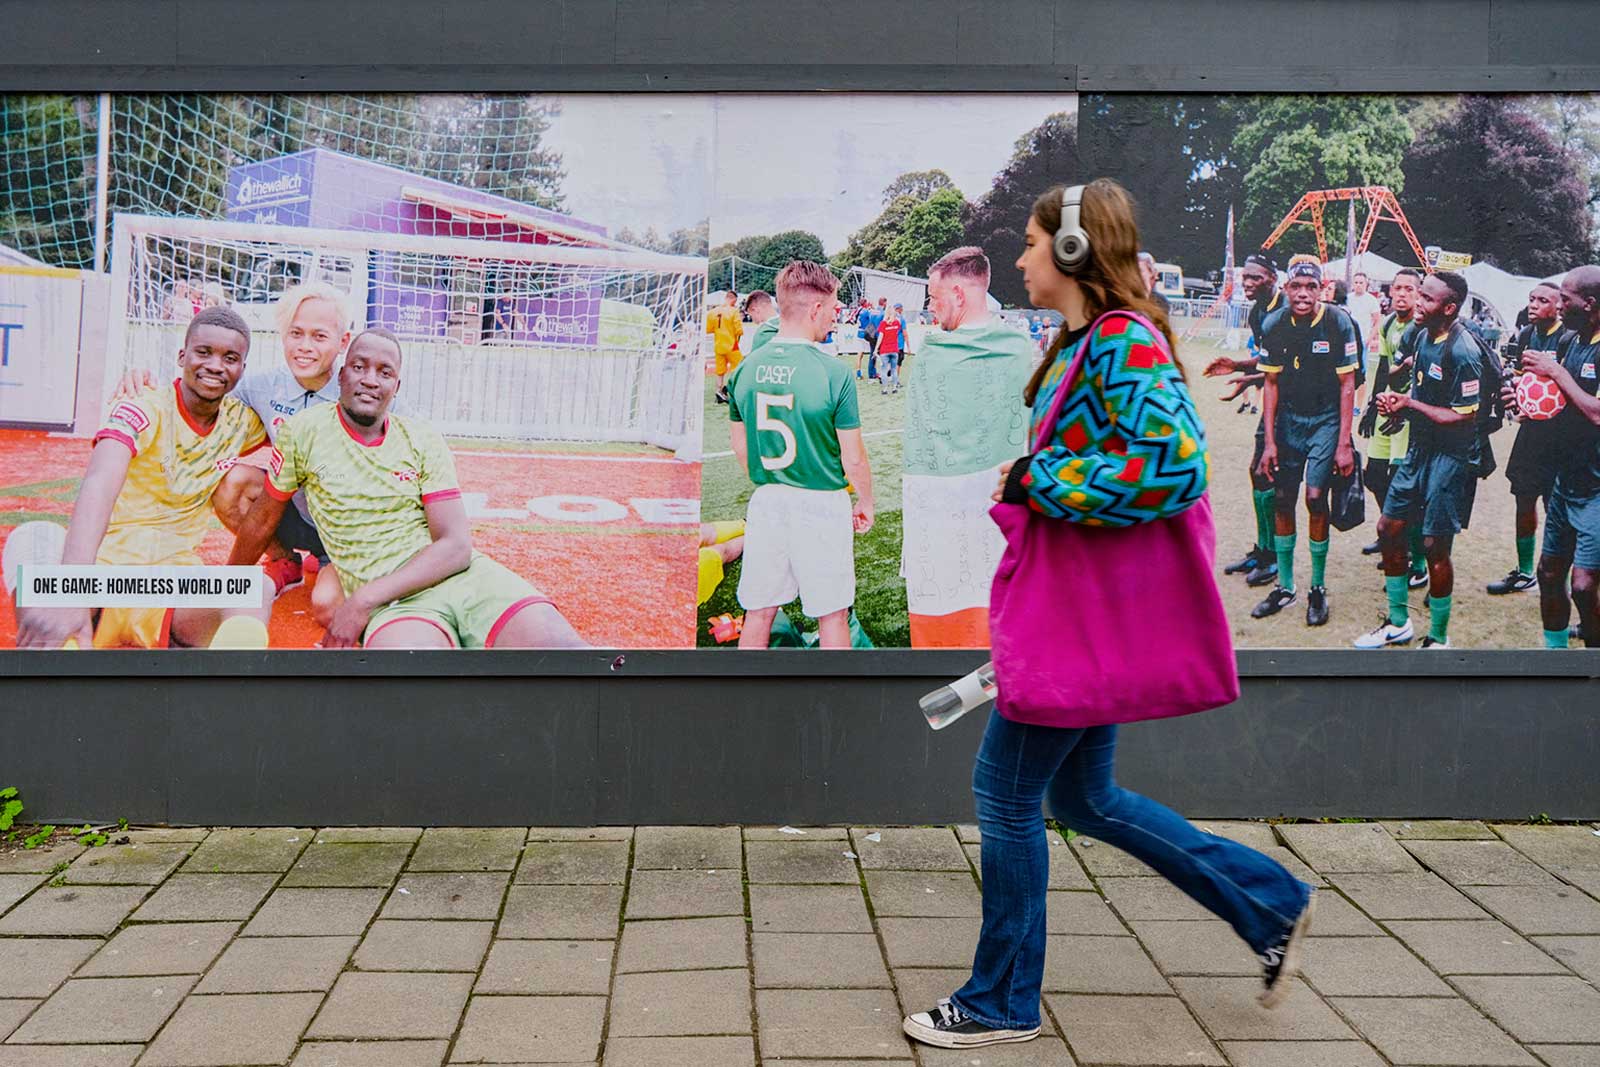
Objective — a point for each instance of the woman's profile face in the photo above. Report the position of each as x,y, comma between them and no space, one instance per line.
1040,277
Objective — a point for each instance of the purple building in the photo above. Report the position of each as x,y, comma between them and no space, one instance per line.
329,190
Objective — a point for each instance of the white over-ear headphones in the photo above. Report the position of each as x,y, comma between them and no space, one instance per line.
1071,245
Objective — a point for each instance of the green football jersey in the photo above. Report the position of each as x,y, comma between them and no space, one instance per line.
764,333
793,398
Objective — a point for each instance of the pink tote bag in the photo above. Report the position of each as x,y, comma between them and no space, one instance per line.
1093,625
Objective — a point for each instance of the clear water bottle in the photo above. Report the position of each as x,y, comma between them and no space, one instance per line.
948,703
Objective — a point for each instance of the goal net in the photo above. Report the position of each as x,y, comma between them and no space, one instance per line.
506,340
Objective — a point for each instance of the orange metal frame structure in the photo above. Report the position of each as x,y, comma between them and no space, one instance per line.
1382,206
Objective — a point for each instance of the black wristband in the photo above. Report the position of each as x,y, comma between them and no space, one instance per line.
1014,493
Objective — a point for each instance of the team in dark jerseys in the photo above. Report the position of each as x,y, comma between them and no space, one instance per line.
1438,392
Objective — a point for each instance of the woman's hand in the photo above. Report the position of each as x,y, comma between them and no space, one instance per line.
1005,476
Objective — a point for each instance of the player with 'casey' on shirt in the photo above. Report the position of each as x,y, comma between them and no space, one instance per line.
383,492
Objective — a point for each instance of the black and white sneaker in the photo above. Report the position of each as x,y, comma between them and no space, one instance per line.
1251,560
1416,579
1276,601
947,1026
1373,549
1265,574
1316,606
720,396
1281,962
1429,642
1386,633
1515,582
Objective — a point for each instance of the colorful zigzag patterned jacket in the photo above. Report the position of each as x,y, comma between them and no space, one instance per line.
1128,446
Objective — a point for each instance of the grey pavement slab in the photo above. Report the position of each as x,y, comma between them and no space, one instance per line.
386,1005
1466,946
531,1030
314,912
1108,861
424,945
468,849
1370,967
535,967
801,861
39,860
1560,1055
69,1055
13,887
1337,917
686,847
222,1031
1529,909
1347,848
808,909
1065,870
1301,1054
1228,1009
1258,835
1556,1009
683,945
34,967
1438,830
561,911
368,835
13,1010
206,898
161,948
371,1054
968,834
1423,895
189,834
104,1009
915,848
580,833
680,1052
279,965
127,864
351,865
920,988
836,1023
1479,863
239,851
1416,1030
681,1004
1078,912
819,961
91,910
1587,880
1294,865
1576,847
1040,1052
1581,954
806,833
1151,898
685,894
925,894
929,942
1133,1031
574,863
447,896
1100,965
1202,947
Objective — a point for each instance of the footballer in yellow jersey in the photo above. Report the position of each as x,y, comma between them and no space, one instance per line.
382,490
726,326
146,497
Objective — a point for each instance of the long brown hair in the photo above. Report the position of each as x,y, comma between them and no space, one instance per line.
1110,279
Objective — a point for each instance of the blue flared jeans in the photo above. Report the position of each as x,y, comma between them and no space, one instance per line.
1020,765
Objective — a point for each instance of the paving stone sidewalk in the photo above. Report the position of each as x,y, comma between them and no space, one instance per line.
1436,943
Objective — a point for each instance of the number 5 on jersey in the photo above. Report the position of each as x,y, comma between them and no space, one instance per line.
765,420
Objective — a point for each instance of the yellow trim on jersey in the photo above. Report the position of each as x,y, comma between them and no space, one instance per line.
1349,368
1265,369
1466,410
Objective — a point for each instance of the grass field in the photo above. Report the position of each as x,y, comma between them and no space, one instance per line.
624,579
1482,554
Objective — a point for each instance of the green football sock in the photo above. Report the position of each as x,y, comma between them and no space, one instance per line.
1265,501
1283,544
1419,555
1525,556
1555,639
1439,608
1319,561
1399,606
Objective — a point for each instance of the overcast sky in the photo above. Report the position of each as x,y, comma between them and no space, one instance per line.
820,161
635,160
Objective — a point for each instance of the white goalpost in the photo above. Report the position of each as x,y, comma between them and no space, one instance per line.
502,339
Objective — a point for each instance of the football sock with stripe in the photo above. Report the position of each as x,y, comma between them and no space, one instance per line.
1439,609
1399,606
1319,561
1283,544
1265,501
1525,555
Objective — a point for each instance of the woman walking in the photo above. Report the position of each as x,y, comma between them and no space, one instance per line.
1104,611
